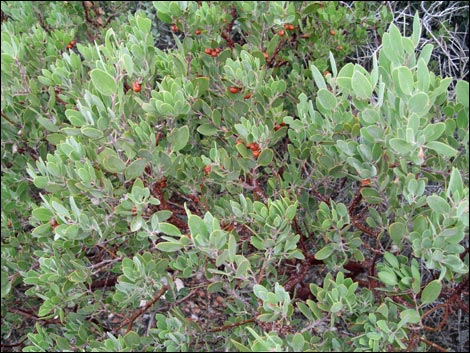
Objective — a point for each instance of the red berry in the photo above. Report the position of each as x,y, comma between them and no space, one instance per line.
174,28
234,89
208,51
281,33
207,169
256,153
136,86
332,32
198,32
266,55
214,53
253,146
247,96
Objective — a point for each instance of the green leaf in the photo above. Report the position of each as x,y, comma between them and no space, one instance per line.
391,259
327,99
260,291
371,195
318,77
202,84
132,338
419,103
325,252
60,209
136,223
197,226
179,138
207,129
410,316
361,85
432,132
103,82
42,214
6,285
455,183
400,145
369,116
336,307
416,35
388,278
169,229
405,80
397,232
232,247
265,157
144,24
461,90
297,342
169,246
438,204
91,132
431,292
113,164
442,149
135,169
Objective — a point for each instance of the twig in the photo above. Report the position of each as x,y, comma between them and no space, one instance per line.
144,309
433,345
235,324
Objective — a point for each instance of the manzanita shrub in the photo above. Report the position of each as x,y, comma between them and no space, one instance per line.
227,194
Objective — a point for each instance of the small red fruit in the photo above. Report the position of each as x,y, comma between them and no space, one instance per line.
332,32
256,153
198,32
291,27
281,33
326,73
234,90
136,86
253,146
208,51
214,53
218,50
207,169
174,28
266,55
247,96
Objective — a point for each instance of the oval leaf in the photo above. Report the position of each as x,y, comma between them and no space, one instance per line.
103,82
361,85
169,246
325,252
438,204
265,157
135,169
179,138
169,229
442,149
431,292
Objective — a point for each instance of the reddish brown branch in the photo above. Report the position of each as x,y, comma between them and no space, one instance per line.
144,309
235,324
433,345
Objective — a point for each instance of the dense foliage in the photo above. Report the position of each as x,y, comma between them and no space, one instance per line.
218,176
